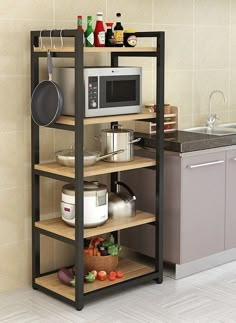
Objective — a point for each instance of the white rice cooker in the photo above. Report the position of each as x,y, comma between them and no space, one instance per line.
95,204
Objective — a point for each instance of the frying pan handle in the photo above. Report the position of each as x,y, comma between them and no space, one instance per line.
49,63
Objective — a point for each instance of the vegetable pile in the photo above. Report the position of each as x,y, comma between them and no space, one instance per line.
97,246
100,247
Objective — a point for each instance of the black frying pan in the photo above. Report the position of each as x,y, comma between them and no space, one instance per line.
47,99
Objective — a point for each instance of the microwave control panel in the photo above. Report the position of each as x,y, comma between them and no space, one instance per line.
93,92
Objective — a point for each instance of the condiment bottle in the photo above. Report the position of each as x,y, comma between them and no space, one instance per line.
99,32
109,41
118,32
130,39
80,23
89,35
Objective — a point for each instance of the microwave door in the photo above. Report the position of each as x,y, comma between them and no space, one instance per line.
119,91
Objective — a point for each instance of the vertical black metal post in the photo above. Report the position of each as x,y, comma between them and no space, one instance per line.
160,72
79,170
114,176
35,182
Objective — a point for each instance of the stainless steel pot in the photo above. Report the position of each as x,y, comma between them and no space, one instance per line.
121,204
118,138
67,157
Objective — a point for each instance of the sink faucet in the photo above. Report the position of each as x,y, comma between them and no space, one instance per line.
212,117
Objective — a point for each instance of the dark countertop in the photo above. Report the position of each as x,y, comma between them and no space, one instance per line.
186,141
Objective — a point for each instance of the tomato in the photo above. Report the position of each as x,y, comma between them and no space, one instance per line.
112,275
119,274
102,275
95,273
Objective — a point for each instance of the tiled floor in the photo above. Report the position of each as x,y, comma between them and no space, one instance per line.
207,297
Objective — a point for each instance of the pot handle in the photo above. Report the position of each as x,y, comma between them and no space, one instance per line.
118,126
134,141
128,189
110,154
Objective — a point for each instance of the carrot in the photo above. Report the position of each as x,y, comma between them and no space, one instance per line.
95,250
86,251
90,251
99,254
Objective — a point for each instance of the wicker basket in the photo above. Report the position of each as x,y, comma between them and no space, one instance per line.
106,263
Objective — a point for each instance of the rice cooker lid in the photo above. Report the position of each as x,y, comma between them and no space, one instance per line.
90,188
69,189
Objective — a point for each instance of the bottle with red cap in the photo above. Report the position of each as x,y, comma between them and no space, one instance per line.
99,32
80,23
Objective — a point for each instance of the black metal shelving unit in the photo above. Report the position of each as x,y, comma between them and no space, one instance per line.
42,281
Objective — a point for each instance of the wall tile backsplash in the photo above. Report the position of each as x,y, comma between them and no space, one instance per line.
200,58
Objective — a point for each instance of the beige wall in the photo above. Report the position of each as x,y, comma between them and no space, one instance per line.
200,57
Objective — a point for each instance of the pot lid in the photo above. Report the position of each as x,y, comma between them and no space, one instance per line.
118,130
71,153
66,153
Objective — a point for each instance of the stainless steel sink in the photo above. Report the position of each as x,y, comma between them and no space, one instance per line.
217,131
228,125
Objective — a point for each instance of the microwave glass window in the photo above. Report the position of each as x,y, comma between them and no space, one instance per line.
120,91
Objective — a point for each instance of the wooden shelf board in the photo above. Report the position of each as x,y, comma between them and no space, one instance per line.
57,226
98,169
68,120
169,122
71,49
170,130
131,269
169,115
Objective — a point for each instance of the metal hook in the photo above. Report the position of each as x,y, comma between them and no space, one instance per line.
62,44
41,46
52,46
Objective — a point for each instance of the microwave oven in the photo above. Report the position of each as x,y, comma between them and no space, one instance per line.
108,90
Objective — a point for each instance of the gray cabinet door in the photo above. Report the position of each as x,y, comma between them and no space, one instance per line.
202,206
230,217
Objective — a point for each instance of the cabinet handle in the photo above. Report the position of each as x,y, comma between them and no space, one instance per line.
206,164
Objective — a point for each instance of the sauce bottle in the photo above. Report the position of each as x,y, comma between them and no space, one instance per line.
80,23
89,35
118,32
99,32
109,41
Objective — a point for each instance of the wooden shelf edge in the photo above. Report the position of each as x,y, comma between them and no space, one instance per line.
99,168
131,269
71,49
69,120
58,227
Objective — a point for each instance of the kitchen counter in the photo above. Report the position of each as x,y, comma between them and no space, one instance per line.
185,141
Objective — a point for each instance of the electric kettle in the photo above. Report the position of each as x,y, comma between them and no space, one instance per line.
121,204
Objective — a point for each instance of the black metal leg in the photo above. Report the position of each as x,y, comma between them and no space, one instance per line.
159,280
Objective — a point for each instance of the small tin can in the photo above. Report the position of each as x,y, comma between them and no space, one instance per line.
130,40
